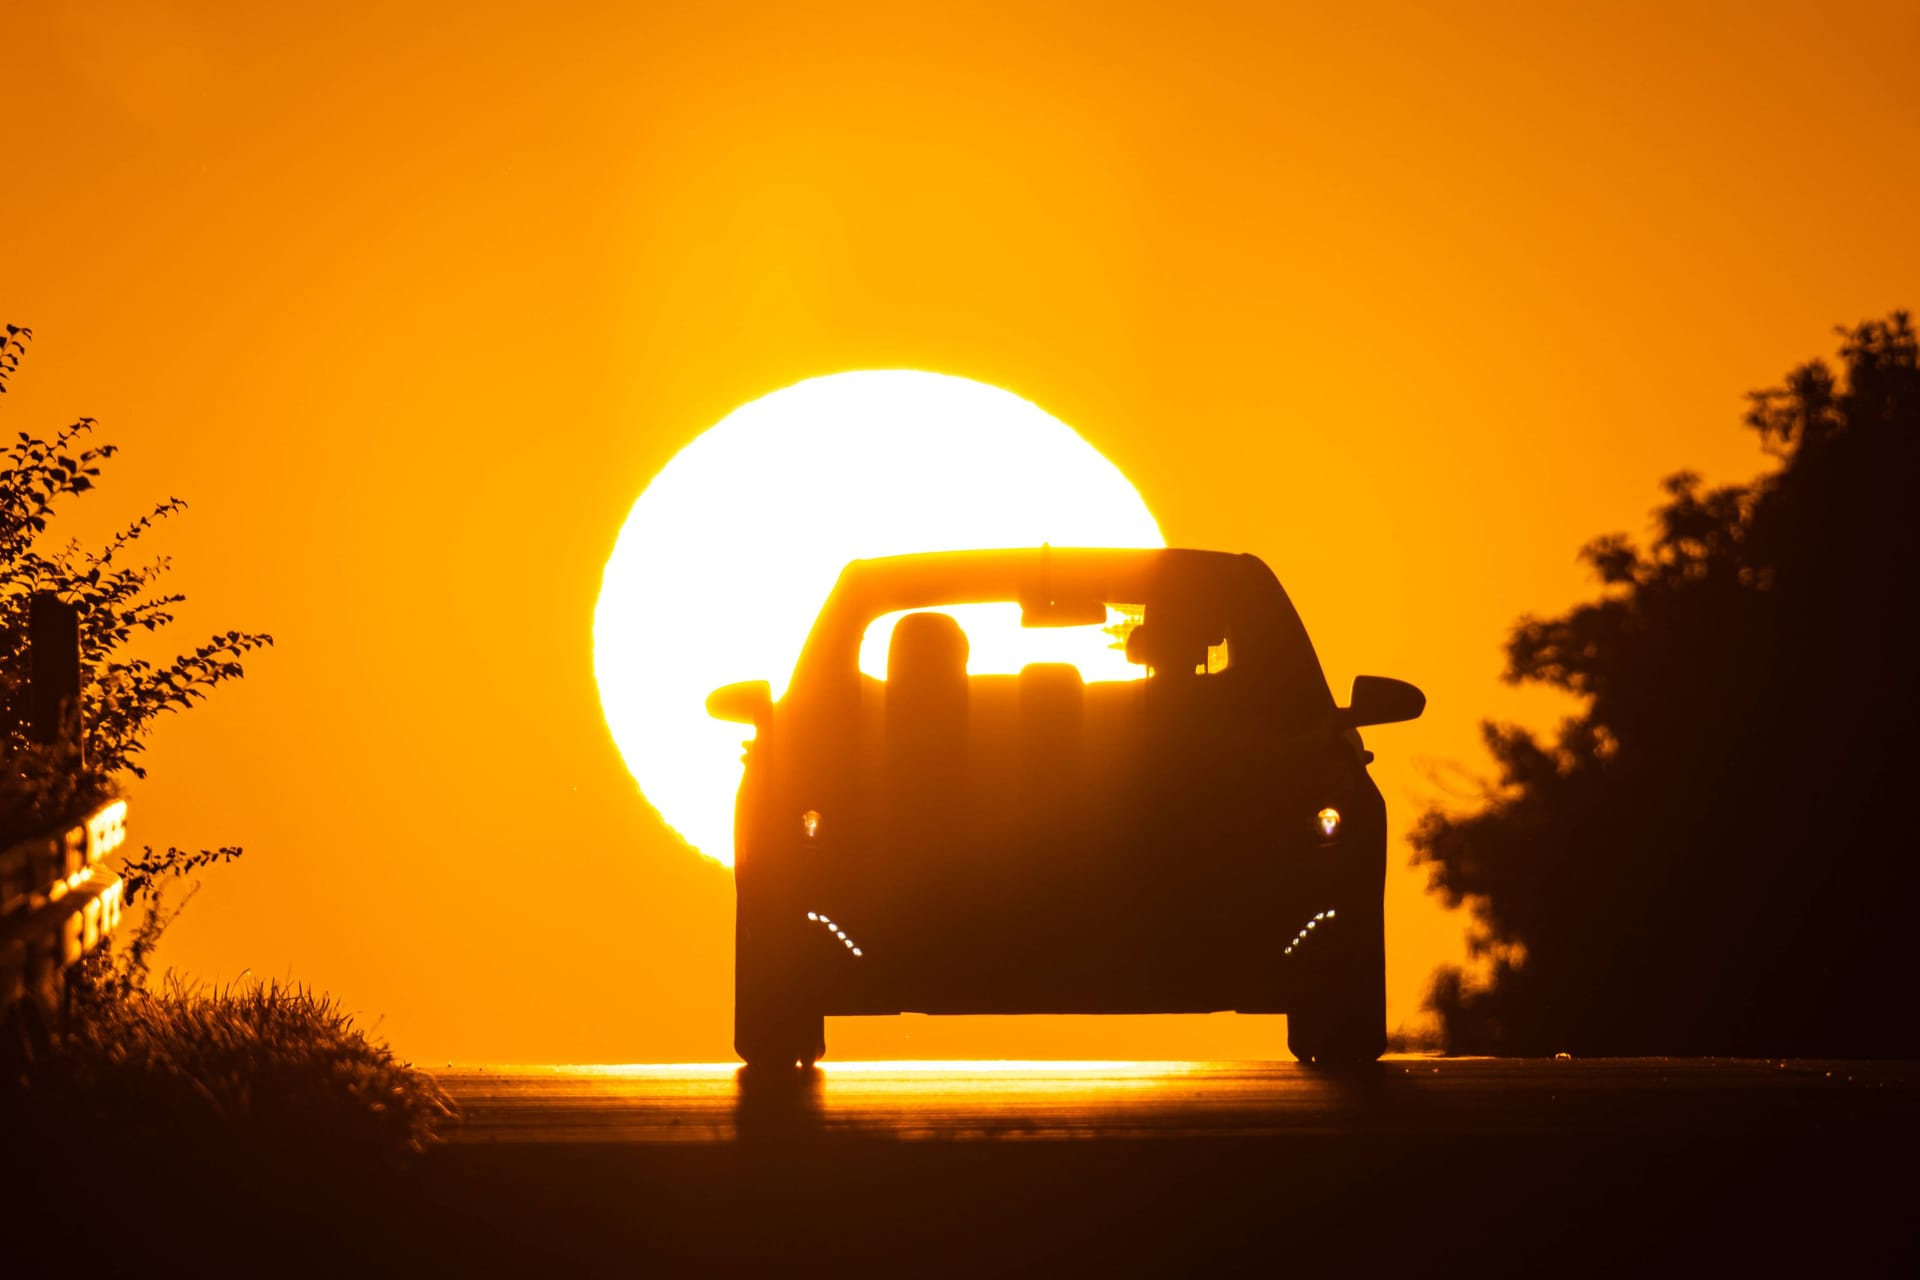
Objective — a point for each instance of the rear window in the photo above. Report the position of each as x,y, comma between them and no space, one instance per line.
998,645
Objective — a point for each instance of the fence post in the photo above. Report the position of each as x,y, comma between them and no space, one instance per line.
53,655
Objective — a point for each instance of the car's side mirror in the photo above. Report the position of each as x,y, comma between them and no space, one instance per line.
748,702
1379,700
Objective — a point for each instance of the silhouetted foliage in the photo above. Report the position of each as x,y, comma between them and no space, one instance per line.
252,1096
145,871
121,696
255,1080
1717,854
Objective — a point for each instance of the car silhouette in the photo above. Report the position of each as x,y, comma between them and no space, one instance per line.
1196,835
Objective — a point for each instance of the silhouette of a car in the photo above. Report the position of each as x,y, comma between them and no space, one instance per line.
1198,835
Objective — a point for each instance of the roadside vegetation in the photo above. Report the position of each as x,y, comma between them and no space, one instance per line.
1716,855
253,1075
153,1074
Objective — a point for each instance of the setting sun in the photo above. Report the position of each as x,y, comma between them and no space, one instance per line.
729,552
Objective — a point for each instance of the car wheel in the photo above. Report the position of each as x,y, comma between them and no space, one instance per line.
1340,1017
816,1040
772,1028
778,1043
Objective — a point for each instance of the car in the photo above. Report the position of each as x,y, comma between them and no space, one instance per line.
1179,822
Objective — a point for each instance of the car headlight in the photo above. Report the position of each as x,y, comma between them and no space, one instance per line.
1328,822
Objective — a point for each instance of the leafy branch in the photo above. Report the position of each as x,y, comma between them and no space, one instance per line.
117,600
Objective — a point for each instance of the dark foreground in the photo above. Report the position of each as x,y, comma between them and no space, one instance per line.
1492,1167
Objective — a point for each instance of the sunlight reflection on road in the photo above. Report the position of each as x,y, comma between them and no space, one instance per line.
904,1099
722,1102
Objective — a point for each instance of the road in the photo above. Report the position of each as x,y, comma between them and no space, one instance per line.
1412,1096
1488,1167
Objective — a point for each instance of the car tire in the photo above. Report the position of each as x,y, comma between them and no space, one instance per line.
1340,1017
772,1028
777,1044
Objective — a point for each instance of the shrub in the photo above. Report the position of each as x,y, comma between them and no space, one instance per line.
121,696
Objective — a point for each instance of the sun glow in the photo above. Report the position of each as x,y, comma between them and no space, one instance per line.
728,554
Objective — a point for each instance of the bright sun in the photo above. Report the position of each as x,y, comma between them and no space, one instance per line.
729,552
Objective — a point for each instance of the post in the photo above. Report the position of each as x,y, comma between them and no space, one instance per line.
53,654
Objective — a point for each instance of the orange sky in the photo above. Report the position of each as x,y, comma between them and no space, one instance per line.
411,306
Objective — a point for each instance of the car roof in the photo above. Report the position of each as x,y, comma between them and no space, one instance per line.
1113,573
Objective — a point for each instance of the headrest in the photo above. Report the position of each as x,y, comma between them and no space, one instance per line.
1140,646
1171,648
1051,673
927,646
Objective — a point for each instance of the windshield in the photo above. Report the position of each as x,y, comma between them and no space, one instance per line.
998,645
1126,615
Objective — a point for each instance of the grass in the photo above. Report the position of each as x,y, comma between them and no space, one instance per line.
226,1123
240,1126
268,1072
256,1070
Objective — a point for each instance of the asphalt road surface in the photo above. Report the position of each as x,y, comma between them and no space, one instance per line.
1104,1101
1411,1167
1487,1167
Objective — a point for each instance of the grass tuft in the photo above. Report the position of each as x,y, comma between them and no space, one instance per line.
251,1068
262,1103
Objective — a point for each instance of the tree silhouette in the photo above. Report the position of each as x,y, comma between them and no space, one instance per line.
1717,855
121,695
